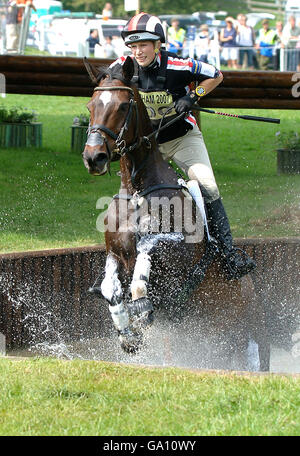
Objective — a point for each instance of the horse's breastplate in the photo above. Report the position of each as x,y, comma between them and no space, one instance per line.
159,104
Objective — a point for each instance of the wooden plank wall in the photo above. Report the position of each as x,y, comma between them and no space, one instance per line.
43,295
67,76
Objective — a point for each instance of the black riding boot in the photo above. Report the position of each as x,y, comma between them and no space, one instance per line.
236,262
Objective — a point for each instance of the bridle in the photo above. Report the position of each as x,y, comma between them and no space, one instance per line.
96,138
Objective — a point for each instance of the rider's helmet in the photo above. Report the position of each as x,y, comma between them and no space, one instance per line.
143,27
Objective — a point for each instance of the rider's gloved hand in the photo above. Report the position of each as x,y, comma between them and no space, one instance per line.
185,103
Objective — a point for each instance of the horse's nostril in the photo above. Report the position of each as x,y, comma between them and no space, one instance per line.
100,158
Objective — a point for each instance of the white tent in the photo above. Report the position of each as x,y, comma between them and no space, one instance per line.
46,4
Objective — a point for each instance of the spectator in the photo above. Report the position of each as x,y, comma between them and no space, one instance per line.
107,11
265,43
11,28
278,44
119,46
290,35
14,19
245,39
93,39
176,37
228,41
202,43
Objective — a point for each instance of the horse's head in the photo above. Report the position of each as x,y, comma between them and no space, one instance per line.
111,107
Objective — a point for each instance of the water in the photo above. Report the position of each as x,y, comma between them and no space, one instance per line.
189,345
160,354
161,348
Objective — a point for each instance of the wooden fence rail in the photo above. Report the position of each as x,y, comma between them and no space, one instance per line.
67,76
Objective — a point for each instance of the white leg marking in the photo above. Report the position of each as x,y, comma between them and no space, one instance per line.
119,316
140,276
111,286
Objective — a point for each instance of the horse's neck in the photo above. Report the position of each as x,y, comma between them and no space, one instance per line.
148,168
147,164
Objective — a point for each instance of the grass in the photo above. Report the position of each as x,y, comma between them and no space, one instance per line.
48,200
55,397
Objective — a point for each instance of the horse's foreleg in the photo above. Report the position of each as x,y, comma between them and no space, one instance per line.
140,308
111,289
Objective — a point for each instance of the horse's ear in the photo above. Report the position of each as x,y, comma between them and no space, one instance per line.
92,71
128,69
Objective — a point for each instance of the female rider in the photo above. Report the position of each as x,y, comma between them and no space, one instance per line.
162,73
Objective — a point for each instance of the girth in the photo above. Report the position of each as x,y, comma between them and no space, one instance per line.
148,190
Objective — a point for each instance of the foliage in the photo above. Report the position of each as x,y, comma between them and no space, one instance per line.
81,121
289,140
17,114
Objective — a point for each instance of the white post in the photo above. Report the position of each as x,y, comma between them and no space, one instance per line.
42,42
216,50
24,29
2,345
281,59
2,85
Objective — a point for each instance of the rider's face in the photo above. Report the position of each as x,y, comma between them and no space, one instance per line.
143,52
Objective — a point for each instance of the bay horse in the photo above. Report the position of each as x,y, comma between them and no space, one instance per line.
159,252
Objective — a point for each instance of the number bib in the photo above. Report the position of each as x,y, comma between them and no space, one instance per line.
157,103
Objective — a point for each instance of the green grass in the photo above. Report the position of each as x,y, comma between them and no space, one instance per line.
48,200
54,397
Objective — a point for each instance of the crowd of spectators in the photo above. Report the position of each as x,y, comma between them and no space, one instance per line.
240,46
237,45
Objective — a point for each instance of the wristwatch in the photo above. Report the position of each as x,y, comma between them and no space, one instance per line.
200,91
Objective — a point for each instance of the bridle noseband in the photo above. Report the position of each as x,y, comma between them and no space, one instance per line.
96,138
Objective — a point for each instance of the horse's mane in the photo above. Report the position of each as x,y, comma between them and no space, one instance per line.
115,72
111,73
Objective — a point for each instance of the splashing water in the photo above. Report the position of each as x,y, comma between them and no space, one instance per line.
182,345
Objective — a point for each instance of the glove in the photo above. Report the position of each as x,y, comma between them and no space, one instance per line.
185,103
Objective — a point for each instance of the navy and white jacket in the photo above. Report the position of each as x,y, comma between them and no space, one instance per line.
180,73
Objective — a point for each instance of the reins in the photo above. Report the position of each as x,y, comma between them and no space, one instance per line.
96,137
120,142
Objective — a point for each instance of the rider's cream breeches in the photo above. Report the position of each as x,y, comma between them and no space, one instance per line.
190,154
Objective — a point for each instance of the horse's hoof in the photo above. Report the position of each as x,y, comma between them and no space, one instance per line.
130,341
140,313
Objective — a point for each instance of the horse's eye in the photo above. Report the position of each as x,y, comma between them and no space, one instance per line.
123,107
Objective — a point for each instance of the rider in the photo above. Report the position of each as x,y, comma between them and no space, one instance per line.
169,77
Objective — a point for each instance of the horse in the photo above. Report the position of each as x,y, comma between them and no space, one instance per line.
159,252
